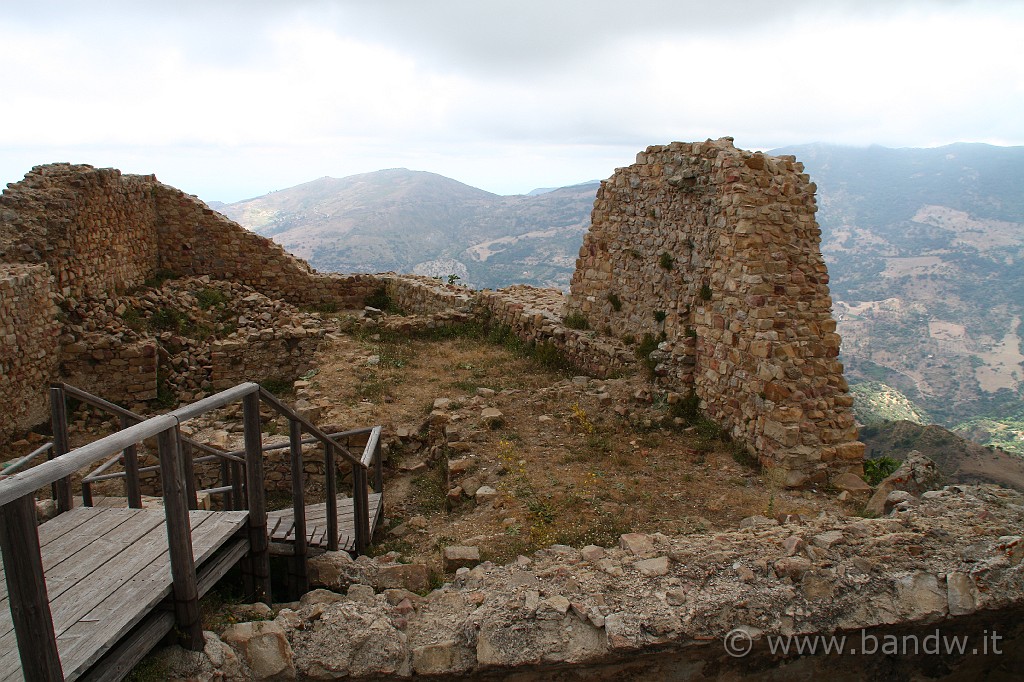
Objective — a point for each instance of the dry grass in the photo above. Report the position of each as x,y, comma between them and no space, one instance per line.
568,468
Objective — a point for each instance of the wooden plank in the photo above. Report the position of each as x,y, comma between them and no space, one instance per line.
91,636
130,600
316,520
217,567
85,580
76,554
29,605
130,651
146,562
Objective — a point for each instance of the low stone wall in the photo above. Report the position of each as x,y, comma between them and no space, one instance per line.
535,316
28,345
282,354
112,369
423,295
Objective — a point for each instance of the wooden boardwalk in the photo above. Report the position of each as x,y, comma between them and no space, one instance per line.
106,570
90,592
281,524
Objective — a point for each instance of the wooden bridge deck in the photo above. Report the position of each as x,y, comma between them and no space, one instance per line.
106,570
281,524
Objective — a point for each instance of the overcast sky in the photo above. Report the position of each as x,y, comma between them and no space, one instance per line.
232,99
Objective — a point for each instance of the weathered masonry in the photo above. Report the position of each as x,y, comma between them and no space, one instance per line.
715,251
711,250
71,233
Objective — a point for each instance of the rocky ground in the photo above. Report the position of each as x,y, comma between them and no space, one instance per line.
491,447
949,559
536,517
488,445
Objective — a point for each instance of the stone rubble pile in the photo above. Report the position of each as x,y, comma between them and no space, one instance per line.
935,560
198,326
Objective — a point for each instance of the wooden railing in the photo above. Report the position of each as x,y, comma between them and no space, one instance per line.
19,539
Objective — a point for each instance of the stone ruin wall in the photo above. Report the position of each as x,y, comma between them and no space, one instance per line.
715,252
760,353
285,353
196,240
28,342
72,232
94,228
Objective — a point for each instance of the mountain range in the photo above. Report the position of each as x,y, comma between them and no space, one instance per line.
925,248
424,223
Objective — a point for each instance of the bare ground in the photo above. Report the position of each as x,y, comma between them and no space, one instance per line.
573,460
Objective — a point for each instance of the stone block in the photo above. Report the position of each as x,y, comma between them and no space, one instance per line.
458,556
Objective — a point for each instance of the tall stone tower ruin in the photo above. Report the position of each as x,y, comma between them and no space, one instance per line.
715,252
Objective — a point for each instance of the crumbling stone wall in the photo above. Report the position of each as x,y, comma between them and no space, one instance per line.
112,368
715,252
270,353
95,233
94,227
28,343
196,240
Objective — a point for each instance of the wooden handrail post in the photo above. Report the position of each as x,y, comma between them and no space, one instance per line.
331,490
59,423
26,590
378,469
130,459
237,486
259,544
378,480
179,541
225,481
360,508
299,578
189,471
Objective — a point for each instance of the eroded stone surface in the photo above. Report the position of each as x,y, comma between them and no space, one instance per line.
945,562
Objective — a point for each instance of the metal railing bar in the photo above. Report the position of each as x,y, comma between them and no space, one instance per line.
215,491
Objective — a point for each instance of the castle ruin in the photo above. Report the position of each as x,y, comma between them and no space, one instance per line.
714,251
709,250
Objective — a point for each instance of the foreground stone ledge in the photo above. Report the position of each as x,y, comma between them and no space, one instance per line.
953,562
